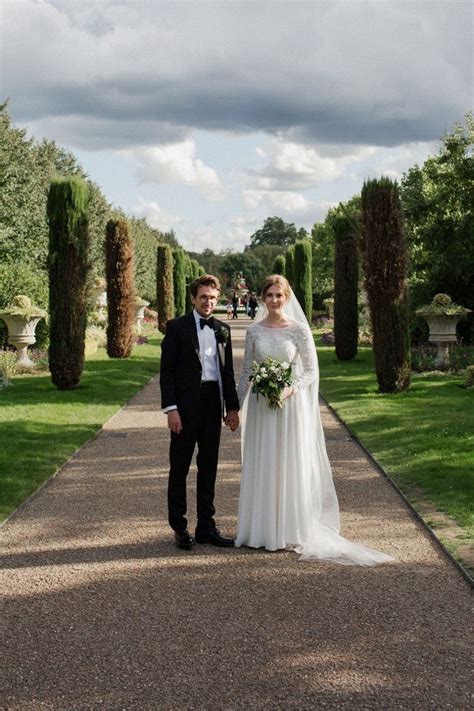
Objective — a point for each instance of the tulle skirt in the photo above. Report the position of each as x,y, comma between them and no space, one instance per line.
287,495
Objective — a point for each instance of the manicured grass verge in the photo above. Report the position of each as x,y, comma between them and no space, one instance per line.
423,438
41,427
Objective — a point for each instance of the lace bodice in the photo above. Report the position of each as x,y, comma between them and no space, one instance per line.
282,344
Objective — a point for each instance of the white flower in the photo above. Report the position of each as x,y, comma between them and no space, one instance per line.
285,365
257,378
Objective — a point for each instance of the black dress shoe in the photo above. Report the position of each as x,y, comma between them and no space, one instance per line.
214,538
184,540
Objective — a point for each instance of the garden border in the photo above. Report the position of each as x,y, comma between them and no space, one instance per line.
410,506
57,472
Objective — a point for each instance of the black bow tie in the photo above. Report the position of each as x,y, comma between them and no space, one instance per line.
206,322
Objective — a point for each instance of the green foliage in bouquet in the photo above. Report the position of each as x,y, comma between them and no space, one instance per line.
270,378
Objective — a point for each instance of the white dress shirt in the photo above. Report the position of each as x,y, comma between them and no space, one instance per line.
207,355
207,350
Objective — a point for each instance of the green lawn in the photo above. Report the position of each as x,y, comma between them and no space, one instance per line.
41,427
424,438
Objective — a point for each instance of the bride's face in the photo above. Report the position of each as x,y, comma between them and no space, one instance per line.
274,299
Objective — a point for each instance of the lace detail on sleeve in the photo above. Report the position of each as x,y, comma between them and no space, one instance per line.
249,357
307,353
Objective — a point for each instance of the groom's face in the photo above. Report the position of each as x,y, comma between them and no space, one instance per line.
205,300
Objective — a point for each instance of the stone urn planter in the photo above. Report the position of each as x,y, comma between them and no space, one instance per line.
442,317
21,319
140,306
329,304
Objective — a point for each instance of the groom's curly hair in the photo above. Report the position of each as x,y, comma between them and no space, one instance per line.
204,280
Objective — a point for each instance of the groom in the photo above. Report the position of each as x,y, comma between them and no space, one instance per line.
197,386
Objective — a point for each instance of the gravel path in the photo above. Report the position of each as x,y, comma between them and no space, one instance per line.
101,610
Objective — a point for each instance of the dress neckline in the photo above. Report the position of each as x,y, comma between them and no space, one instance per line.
276,328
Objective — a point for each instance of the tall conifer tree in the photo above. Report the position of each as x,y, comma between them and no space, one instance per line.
68,263
385,267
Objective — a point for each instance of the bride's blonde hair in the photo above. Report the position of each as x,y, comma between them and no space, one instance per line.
277,279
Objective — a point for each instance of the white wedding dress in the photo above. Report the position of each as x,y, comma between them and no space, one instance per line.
287,496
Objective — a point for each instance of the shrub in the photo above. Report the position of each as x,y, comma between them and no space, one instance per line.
279,265
290,264
179,281
327,338
302,277
8,367
469,377
68,263
164,285
385,267
120,289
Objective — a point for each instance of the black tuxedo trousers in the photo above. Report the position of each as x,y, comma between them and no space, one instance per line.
201,427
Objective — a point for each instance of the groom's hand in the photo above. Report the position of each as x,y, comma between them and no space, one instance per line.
232,420
174,422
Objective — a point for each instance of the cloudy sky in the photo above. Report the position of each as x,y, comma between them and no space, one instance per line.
208,117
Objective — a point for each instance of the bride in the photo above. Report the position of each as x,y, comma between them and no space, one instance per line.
287,495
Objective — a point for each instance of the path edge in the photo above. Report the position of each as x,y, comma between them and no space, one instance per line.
460,568
58,471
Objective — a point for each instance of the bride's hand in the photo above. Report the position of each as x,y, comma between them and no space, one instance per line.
287,392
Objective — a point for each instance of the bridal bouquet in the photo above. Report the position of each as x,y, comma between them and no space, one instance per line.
270,378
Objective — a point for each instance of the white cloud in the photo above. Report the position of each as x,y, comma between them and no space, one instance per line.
281,199
155,215
291,165
178,163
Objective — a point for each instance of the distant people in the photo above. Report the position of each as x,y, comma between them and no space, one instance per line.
244,303
252,305
235,306
229,309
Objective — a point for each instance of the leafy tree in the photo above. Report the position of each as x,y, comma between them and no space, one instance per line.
303,281
438,200
322,238
250,266
164,285
145,241
385,267
279,265
68,268
267,253
120,289
276,231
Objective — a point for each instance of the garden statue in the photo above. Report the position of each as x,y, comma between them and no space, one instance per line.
21,319
140,306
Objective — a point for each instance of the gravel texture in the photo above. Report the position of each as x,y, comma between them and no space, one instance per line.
102,611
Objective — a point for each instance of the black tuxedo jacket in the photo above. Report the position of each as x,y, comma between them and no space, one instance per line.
181,369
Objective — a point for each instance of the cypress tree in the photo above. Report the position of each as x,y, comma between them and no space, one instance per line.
68,264
279,265
346,272
290,264
385,268
189,278
164,285
303,282
179,281
119,270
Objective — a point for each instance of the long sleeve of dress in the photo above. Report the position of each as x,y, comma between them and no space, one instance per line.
246,367
307,353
